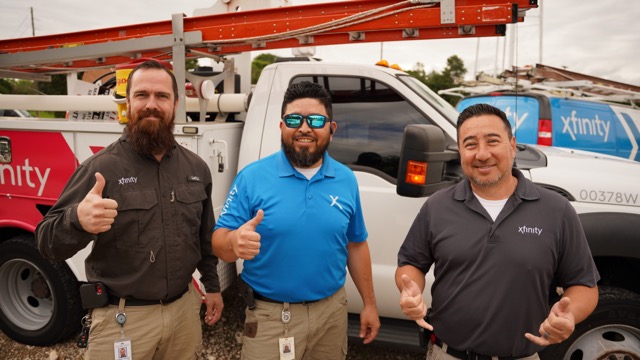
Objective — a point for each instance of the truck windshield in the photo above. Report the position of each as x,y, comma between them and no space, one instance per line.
443,107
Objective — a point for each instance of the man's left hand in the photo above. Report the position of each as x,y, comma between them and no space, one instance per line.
557,327
369,323
214,304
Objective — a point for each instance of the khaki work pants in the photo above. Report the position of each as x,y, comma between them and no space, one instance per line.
319,329
438,353
172,331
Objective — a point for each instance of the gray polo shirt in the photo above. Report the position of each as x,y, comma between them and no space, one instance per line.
492,279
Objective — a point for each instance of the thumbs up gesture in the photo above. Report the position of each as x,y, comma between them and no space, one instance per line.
95,213
558,326
412,303
246,241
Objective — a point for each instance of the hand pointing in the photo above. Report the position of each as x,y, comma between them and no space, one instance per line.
246,241
557,327
412,303
95,213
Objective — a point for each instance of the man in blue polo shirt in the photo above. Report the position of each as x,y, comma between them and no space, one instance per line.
295,218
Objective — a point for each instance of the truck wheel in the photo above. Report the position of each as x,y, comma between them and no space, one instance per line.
39,299
612,331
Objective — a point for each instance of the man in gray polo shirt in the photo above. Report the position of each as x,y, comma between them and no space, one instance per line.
499,244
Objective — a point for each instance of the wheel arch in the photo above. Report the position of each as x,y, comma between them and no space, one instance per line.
612,234
29,324
75,263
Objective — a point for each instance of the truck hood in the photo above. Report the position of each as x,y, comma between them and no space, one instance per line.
590,177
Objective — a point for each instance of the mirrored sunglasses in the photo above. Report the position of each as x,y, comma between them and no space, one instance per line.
314,121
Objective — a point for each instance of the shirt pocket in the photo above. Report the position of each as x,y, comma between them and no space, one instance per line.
189,200
137,223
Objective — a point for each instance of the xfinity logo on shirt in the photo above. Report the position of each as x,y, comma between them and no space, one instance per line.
227,203
129,180
530,230
334,201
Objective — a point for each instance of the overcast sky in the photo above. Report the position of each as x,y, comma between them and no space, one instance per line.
598,38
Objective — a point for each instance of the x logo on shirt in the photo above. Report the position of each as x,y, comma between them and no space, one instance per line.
334,201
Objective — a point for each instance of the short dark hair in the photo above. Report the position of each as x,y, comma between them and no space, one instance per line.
307,89
483,109
153,64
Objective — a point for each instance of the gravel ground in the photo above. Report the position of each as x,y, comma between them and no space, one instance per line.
219,343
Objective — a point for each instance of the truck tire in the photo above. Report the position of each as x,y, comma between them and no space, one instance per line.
612,331
39,299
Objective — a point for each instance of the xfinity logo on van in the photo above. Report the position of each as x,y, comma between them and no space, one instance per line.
25,175
516,120
585,126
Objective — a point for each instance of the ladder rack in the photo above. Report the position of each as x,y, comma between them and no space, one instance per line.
583,89
330,23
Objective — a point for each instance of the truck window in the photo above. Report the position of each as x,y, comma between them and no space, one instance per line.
371,118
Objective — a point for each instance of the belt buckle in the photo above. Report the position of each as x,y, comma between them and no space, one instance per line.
471,355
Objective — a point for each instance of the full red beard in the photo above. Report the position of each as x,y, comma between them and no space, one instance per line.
151,137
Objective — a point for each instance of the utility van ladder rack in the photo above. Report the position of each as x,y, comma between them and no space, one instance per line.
582,89
328,23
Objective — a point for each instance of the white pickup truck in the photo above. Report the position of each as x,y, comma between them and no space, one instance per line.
385,117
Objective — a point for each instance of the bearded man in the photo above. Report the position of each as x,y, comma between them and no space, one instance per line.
145,203
296,220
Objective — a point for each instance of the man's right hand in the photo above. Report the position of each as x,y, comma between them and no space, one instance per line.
412,303
95,213
246,241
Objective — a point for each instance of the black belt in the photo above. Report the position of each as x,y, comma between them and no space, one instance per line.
469,355
114,300
264,298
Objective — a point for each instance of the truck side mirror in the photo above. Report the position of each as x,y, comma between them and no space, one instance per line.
423,161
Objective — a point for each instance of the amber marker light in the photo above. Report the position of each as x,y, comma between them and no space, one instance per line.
416,172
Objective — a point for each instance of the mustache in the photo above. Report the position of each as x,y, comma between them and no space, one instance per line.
150,113
306,135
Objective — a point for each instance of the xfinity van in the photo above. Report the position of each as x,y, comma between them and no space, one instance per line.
568,122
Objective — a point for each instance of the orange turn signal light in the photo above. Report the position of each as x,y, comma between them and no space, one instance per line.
416,172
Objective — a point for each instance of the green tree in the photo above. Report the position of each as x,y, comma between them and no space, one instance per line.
6,86
191,64
451,76
18,87
418,72
57,85
455,69
258,63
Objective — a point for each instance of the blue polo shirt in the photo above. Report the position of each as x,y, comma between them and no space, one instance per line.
306,227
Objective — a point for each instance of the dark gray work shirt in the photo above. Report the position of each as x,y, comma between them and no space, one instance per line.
162,231
492,279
